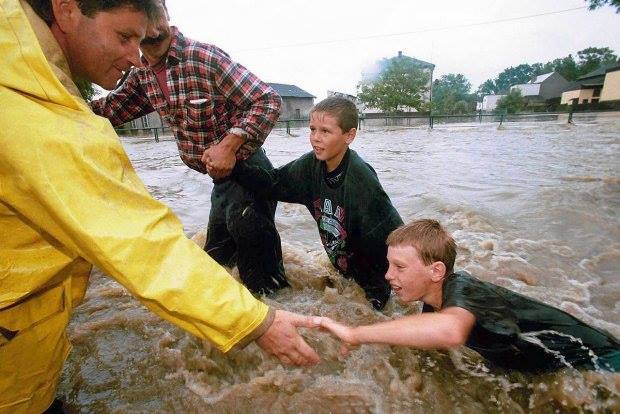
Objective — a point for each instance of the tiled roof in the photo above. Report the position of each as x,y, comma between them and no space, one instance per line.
290,91
600,71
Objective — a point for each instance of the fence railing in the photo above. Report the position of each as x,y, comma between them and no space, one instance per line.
431,119
393,120
156,131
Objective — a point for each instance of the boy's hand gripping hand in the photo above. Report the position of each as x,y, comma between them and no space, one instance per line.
345,333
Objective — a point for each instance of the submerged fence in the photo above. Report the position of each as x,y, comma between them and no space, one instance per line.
429,121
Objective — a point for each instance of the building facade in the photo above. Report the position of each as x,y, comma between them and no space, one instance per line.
611,86
296,103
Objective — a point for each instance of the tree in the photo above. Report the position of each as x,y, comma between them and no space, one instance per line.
595,4
514,76
566,66
451,94
401,84
593,57
511,103
488,87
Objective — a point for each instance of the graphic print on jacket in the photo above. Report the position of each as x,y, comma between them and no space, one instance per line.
331,224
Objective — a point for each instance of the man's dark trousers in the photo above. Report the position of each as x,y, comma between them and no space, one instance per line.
242,231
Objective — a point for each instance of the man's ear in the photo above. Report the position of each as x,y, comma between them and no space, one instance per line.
66,14
438,270
350,135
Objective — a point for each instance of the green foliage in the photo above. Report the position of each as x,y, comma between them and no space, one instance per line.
86,88
514,76
593,57
595,4
511,103
451,95
401,84
487,87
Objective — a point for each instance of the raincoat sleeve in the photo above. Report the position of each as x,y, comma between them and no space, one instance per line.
65,173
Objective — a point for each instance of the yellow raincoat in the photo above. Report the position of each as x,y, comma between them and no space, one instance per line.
69,198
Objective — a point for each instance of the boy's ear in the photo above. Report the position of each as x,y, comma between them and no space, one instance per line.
350,135
66,14
438,271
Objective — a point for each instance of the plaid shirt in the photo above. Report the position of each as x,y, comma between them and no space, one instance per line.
209,95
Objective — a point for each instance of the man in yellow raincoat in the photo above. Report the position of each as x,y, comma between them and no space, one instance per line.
70,199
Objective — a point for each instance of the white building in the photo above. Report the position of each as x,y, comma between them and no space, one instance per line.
489,102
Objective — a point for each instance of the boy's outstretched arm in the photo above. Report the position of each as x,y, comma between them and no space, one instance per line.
446,329
288,183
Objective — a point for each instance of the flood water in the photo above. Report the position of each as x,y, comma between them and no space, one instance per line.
533,207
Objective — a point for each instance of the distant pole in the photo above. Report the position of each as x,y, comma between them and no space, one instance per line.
570,116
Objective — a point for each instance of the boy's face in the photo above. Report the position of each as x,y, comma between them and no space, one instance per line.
327,139
409,277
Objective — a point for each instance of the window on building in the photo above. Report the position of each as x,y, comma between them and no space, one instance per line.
145,121
133,124
584,101
597,92
297,113
594,100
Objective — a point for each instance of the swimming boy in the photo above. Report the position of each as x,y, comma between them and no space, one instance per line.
508,329
353,213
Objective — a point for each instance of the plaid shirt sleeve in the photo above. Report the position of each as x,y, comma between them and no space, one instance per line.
259,102
125,103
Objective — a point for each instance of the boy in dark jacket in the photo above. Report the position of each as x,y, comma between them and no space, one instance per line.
508,329
353,213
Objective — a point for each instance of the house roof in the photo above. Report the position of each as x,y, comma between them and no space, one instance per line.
528,89
290,91
613,68
600,71
542,78
416,61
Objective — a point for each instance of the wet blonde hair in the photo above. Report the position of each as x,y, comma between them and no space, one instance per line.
432,242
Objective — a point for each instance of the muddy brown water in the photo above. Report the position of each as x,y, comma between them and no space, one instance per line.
533,206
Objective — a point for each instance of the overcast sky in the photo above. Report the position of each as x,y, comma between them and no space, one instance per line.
324,44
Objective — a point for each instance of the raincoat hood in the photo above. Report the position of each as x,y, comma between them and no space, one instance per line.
24,69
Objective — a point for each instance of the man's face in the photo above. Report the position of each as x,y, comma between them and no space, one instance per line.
409,277
327,139
102,47
157,41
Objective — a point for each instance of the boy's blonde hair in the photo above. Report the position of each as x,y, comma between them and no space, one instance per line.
340,108
430,239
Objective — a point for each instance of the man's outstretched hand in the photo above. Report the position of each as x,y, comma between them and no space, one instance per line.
284,342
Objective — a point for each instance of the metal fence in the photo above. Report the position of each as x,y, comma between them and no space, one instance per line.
429,121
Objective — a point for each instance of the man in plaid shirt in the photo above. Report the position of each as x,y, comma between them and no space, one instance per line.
220,114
